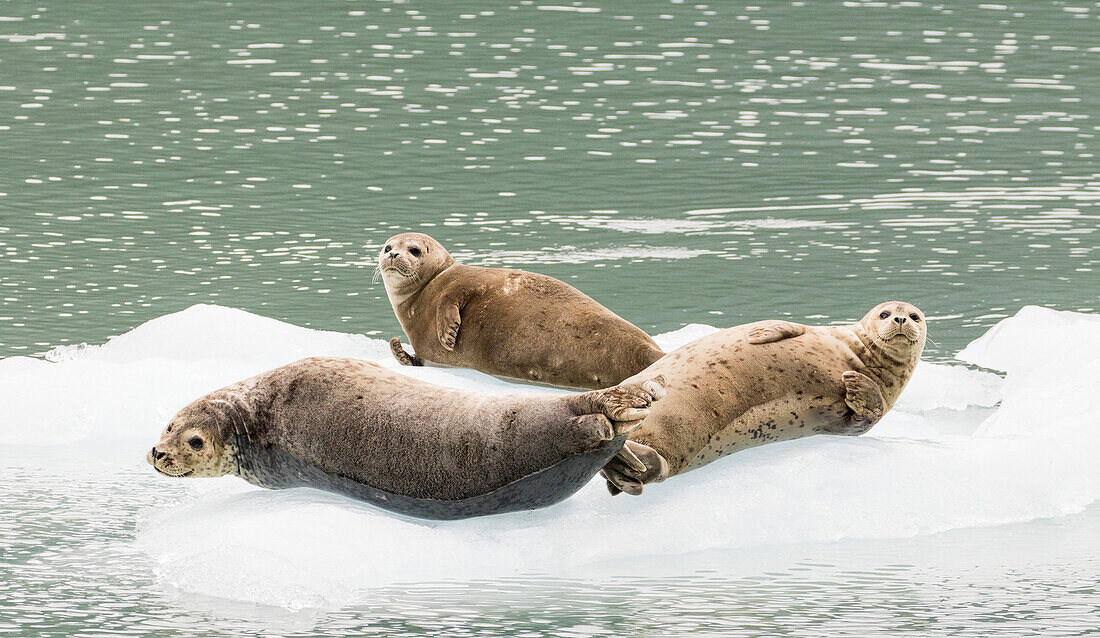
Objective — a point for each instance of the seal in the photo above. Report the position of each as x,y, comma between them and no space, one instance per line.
769,381
509,323
358,429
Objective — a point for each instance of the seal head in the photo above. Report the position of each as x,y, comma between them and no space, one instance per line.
409,261
193,445
895,332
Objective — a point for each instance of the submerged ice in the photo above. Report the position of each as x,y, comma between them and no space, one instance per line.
962,448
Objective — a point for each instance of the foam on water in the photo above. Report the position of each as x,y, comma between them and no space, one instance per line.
1034,456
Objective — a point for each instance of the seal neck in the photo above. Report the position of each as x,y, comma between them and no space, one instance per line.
404,300
891,358
240,407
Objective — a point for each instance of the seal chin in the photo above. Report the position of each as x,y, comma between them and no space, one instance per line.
912,336
180,475
399,268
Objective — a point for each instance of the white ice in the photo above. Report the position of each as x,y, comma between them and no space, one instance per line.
927,467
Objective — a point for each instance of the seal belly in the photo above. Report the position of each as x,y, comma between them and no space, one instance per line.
275,468
779,420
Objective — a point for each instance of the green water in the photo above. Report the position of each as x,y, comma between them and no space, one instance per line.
679,162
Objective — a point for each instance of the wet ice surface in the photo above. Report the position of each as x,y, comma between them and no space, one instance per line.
889,531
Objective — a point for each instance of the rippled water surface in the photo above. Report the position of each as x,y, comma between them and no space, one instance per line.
705,158
680,162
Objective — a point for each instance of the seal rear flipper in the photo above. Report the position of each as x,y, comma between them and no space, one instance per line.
404,358
773,330
635,465
625,405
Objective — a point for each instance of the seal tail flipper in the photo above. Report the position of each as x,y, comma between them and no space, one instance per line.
404,358
634,466
625,405
773,330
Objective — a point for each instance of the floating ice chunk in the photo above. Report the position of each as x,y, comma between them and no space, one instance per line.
669,341
304,548
205,332
1053,362
1035,457
935,386
1035,337
66,353
129,387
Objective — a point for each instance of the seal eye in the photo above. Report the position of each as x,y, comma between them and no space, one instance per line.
388,249
884,314
195,443
414,251
169,428
915,317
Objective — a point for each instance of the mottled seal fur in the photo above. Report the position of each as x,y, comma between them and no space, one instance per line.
505,322
357,428
770,381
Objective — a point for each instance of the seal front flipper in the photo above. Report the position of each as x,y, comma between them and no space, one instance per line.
447,322
773,330
404,358
635,465
864,398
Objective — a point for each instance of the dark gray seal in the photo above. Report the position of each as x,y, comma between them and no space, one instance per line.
510,323
356,428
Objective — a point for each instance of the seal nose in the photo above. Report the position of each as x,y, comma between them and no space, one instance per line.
157,454
393,254
900,320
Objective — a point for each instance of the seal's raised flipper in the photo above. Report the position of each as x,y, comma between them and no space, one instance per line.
404,358
447,321
773,330
635,465
864,397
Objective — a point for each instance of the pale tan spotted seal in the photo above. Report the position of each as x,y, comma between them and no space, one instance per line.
770,381
505,322
362,430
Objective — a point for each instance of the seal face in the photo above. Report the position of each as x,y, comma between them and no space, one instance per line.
510,323
356,428
770,381
192,445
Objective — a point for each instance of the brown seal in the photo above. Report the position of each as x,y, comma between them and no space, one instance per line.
362,430
770,381
505,322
